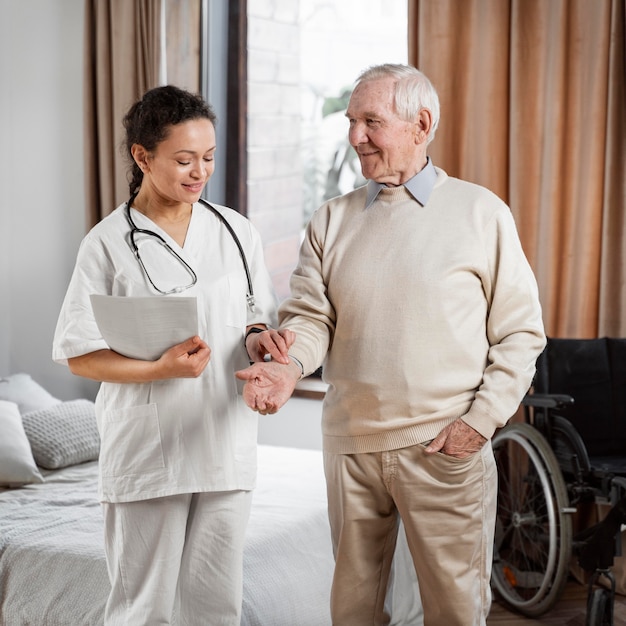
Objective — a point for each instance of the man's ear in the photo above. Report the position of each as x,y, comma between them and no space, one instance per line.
140,155
423,124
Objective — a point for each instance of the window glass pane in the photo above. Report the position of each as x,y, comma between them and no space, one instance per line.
338,40
303,57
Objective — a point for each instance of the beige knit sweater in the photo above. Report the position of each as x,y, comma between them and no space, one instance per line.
422,314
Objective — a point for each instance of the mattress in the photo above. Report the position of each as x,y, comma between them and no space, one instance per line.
52,564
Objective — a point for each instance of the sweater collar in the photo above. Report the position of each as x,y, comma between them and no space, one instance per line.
420,186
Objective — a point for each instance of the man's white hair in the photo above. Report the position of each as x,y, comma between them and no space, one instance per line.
413,91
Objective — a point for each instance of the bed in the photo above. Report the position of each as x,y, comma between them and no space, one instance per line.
52,564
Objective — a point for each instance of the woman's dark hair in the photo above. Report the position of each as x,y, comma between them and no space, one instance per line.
148,121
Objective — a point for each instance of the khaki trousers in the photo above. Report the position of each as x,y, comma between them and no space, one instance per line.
448,508
180,554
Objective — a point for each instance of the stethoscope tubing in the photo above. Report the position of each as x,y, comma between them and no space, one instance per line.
250,299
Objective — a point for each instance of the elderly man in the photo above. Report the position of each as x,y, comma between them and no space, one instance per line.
415,293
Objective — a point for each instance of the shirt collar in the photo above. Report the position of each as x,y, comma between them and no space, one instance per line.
420,186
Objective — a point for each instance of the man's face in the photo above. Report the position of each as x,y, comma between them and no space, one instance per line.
391,150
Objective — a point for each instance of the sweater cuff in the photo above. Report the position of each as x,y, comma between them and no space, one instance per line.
299,364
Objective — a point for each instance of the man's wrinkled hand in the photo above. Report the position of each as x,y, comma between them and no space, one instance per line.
457,440
268,385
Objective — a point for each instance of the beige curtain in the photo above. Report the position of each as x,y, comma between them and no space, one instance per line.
534,107
122,61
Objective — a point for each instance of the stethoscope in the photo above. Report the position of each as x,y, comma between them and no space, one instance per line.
134,230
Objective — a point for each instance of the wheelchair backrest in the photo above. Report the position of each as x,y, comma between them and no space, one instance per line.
593,372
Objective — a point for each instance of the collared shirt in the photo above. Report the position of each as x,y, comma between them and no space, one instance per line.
420,186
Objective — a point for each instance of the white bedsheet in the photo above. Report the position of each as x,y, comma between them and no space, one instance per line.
288,561
52,568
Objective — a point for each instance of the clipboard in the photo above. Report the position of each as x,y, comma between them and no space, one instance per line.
145,327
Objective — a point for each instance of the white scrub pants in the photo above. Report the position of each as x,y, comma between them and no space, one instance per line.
182,554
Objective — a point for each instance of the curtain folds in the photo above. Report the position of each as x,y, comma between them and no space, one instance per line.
534,108
122,44
613,259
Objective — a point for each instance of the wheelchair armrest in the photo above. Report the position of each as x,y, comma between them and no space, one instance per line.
547,400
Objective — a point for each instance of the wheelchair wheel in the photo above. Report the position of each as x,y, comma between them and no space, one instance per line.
599,608
533,540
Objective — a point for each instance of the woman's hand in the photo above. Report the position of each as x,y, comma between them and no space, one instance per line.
275,343
184,360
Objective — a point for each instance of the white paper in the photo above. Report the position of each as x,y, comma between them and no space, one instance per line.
144,328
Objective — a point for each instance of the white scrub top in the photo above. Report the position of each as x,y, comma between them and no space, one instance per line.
179,435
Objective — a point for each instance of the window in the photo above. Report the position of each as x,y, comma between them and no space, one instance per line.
302,59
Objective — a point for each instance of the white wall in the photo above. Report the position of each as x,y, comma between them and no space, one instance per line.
297,425
41,181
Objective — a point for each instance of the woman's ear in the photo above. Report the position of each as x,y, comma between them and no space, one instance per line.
140,155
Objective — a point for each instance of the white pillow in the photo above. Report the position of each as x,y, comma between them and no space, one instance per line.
17,465
26,393
63,434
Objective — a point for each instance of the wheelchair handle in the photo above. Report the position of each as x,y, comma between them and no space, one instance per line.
547,400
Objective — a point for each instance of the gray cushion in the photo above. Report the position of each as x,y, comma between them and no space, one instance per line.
26,393
64,434
17,465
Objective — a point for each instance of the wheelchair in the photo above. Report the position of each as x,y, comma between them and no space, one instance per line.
568,452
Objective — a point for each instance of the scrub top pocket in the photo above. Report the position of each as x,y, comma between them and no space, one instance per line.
132,444
222,306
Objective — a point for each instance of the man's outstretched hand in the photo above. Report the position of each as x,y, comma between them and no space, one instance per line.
268,385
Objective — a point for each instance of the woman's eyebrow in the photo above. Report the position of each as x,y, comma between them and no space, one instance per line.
186,151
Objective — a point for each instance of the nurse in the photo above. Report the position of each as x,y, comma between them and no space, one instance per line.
178,452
